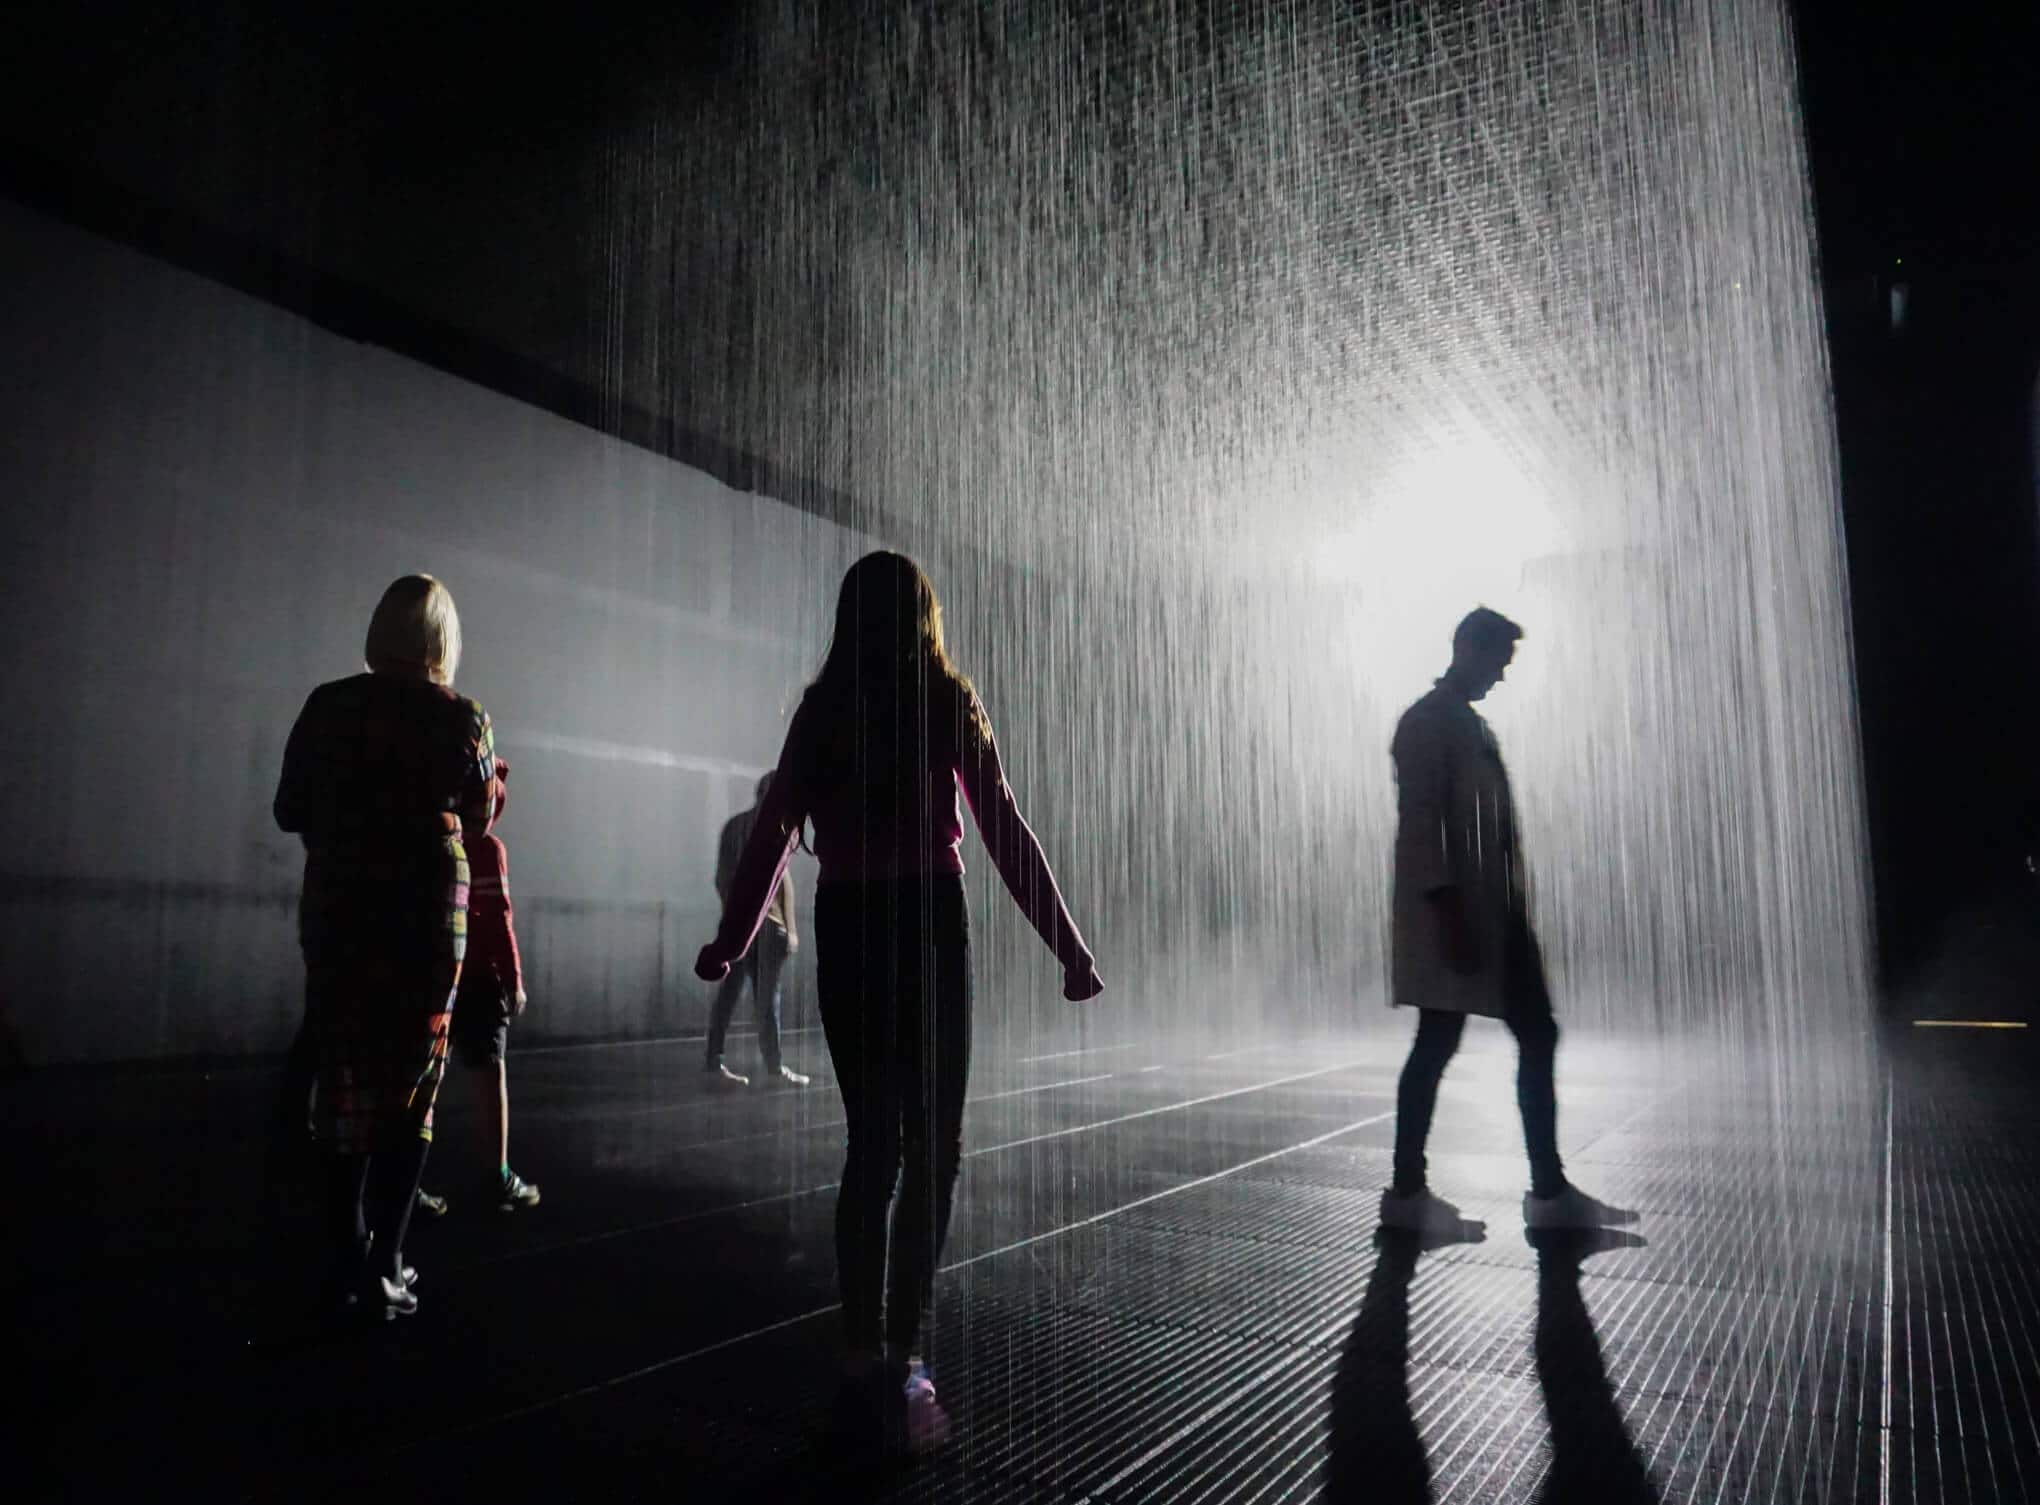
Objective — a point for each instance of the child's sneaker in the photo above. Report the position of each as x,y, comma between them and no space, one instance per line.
514,1192
927,1424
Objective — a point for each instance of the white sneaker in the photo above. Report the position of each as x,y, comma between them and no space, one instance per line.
1419,1213
1573,1208
399,1300
927,1422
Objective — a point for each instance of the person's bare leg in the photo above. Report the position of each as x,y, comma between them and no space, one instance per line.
492,1089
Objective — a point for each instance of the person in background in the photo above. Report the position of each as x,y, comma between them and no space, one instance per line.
1463,943
382,774
875,755
762,967
490,996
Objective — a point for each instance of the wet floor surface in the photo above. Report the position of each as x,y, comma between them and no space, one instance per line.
1163,1284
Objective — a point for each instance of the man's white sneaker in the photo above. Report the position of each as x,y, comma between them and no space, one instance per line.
1573,1208
1420,1212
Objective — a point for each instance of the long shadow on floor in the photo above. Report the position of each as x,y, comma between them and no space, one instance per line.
1592,1457
1376,1451
1376,1446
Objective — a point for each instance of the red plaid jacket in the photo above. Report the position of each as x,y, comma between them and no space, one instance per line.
492,964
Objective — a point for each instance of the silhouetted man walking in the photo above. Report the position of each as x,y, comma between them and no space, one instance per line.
1462,938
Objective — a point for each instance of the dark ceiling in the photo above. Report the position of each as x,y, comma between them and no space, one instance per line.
455,171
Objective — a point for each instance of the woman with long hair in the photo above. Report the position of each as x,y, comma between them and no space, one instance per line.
874,757
382,774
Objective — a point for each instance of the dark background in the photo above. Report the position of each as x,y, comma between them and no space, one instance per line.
274,148
1922,134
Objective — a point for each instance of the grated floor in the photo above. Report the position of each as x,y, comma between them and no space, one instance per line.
1163,1284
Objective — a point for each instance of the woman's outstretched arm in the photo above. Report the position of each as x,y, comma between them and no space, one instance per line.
1016,853
781,815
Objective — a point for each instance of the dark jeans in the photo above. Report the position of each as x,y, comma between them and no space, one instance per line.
761,967
1527,999
892,971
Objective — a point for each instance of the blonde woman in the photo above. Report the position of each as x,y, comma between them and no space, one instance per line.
380,773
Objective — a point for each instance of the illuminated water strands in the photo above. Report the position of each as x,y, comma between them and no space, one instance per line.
1219,356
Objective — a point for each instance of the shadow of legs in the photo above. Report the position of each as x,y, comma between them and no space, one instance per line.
1376,1451
1592,1457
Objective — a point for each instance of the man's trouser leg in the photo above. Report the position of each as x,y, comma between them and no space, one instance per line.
725,1005
1416,1095
772,954
1530,1020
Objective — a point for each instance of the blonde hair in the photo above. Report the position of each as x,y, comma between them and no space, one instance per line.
415,630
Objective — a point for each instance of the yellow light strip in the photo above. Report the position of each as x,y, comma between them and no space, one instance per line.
1969,1024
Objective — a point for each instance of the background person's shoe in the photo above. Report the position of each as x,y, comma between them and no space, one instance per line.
720,1075
428,1203
514,1192
783,1076
1573,1208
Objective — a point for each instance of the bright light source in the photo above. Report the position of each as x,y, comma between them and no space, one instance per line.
1449,531
1455,513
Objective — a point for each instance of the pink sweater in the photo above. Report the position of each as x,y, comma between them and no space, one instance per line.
904,823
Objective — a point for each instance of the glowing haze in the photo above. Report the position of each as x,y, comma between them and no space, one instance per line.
1219,364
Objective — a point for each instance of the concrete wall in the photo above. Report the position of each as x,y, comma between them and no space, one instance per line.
203,498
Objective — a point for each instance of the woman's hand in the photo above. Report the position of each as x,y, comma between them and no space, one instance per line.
1081,980
517,1008
713,964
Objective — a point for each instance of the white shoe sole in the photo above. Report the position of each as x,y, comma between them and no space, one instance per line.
1574,1219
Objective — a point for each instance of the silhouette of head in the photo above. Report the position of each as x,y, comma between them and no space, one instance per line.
888,622
1483,646
415,631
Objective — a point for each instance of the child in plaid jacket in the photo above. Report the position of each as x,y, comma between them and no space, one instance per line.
490,996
